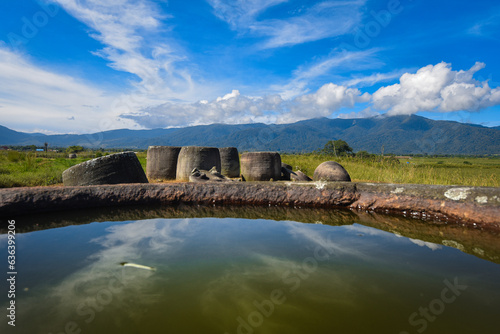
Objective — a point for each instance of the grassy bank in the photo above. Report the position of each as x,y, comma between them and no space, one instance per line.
18,169
446,171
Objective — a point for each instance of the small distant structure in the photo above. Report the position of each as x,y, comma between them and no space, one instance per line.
403,157
40,150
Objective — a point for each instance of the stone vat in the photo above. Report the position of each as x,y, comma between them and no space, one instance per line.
162,162
261,166
111,169
191,157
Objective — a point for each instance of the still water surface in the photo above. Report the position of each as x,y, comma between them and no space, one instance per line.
236,275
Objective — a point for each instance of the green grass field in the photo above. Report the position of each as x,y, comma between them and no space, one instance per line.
18,169
447,171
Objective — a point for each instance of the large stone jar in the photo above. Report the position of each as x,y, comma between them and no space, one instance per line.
261,166
331,171
191,157
230,162
162,162
111,169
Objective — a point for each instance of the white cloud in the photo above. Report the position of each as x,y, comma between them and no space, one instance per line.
130,242
372,79
55,102
323,20
136,40
437,88
234,108
33,96
334,246
324,68
129,31
365,113
238,13
117,21
429,245
324,101
37,97
487,27
434,87
467,96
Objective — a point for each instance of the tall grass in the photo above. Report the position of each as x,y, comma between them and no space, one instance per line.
448,171
18,169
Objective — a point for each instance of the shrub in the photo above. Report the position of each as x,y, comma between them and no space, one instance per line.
29,164
74,149
364,155
14,156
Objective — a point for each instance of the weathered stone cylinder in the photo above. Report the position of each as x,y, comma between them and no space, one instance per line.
261,166
111,169
162,162
229,161
203,158
331,171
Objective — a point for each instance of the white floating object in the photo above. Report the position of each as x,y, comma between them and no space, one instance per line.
139,266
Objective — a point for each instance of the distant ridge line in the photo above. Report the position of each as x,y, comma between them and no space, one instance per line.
400,135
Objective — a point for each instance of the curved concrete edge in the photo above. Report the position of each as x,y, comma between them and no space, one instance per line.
475,206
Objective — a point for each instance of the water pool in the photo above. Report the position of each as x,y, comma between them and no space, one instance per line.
269,271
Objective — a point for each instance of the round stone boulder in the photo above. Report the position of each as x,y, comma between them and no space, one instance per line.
331,171
261,166
202,158
229,162
162,162
72,156
111,169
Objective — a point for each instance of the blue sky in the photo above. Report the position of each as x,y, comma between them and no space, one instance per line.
80,66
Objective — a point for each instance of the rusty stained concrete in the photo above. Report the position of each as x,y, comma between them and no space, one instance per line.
474,206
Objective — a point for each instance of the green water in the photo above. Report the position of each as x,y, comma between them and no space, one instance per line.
235,275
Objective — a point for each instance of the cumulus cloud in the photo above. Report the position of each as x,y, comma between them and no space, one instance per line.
431,88
234,108
437,88
324,101
365,113
323,20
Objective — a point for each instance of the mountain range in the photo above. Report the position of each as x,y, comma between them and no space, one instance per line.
392,134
